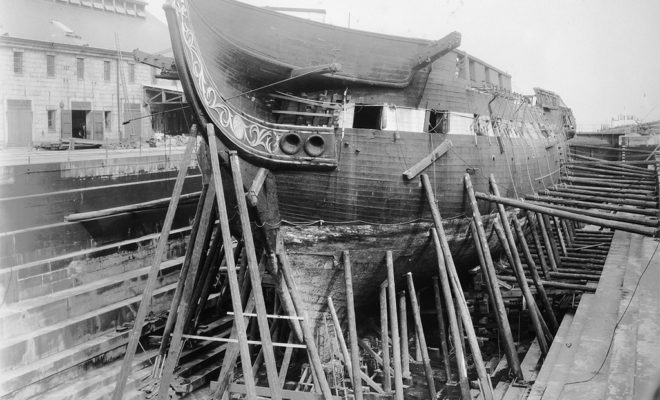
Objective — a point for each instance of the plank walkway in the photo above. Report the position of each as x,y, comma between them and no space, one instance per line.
611,349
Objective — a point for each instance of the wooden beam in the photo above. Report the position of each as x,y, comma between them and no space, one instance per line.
352,328
442,328
239,321
579,215
509,244
257,184
255,277
340,338
312,351
385,339
437,49
425,162
421,339
503,322
155,268
394,327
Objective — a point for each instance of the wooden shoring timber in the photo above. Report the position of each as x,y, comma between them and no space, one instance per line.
605,172
257,184
548,241
615,192
176,298
597,197
631,165
442,327
129,208
403,318
239,321
615,149
575,216
155,268
384,339
447,269
609,183
509,245
500,310
352,328
553,284
531,265
308,338
425,162
255,277
342,342
632,177
633,220
394,327
610,166
442,249
594,204
540,253
419,329
560,235
205,263
461,364
522,283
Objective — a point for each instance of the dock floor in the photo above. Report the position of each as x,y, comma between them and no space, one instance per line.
611,349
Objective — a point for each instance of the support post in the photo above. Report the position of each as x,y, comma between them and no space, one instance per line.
442,327
504,327
312,351
352,328
155,267
342,342
522,283
453,322
533,228
421,339
239,321
535,275
384,338
394,327
255,278
403,319
546,241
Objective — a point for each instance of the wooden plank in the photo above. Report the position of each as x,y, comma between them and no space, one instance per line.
425,162
403,319
253,342
302,113
155,267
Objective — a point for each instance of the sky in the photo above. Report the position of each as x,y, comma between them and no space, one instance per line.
601,56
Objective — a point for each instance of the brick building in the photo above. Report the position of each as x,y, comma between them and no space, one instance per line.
61,74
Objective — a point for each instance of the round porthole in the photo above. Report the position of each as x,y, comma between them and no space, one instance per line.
315,145
290,143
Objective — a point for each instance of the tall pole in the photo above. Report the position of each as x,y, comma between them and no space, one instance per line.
394,328
352,329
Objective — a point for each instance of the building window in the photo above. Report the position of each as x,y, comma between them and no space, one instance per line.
106,71
131,73
107,115
50,65
80,68
18,62
51,120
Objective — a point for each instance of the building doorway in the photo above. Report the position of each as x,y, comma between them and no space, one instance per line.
79,123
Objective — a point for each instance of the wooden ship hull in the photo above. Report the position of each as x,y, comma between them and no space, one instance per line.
343,122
